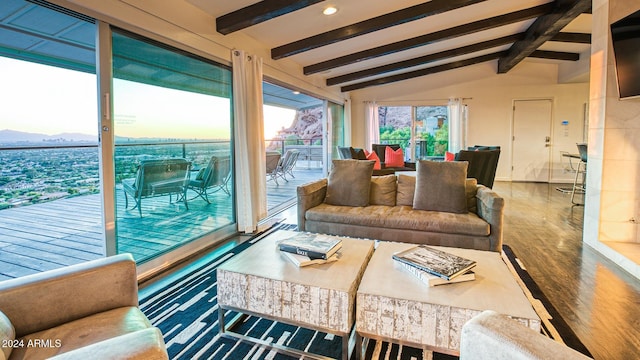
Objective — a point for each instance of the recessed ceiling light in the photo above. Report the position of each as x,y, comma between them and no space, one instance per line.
296,92
330,10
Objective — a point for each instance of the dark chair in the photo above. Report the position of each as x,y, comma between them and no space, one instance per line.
581,172
380,150
157,178
482,164
213,178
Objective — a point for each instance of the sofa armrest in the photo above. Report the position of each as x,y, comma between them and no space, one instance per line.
310,195
51,298
491,209
490,335
146,344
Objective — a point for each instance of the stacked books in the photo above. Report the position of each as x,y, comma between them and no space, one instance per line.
435,267
305,249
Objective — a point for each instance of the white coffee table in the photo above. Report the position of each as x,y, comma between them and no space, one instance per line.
261,282
394,306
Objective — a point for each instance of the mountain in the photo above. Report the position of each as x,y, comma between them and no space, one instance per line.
12,136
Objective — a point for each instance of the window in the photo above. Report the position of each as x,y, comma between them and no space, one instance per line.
170,108
422,131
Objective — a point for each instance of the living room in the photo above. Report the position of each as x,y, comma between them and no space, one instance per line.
490,99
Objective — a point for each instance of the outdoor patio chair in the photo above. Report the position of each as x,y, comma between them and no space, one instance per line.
213,178
272,158
158,178
285,165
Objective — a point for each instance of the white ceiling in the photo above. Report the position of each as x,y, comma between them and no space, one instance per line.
310,21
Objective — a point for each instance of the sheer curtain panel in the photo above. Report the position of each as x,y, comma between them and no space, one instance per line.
457,125
249,140
372,123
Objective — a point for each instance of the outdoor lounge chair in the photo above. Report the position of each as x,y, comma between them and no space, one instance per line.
285,165
213,178
157,178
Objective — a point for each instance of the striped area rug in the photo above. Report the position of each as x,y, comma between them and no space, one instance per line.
185,309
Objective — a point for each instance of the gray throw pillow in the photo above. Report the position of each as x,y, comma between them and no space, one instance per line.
349,183
440,186
383,190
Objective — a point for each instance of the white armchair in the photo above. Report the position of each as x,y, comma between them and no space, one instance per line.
88,310
493,336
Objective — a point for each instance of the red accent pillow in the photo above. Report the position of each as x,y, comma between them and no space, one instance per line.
373,156
449,156
393,158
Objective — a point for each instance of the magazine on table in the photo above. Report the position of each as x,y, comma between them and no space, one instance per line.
301,260
315,246
434,261
433,280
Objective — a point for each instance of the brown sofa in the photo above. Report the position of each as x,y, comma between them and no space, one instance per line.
480,228
84,311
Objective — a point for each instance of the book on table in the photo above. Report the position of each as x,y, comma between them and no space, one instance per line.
433,280
302,260
315,246
437,262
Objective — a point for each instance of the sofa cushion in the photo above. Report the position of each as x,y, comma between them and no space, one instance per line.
400,217
440,186
406,189
349,183
82,332
373,157
383,190
7,335
471,189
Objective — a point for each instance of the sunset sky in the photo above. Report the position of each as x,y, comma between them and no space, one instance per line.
52,100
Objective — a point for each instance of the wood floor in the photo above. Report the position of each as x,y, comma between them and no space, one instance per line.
599,300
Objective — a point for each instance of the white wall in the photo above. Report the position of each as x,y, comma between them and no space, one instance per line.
490,102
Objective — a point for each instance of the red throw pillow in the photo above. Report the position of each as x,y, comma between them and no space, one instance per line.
393,158
373,156
449,156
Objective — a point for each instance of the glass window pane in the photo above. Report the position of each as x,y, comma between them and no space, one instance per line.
173,155
50,204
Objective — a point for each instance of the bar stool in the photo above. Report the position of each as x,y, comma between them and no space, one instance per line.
581,172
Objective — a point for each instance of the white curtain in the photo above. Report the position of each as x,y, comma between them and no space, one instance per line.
457,125
249,140
372,124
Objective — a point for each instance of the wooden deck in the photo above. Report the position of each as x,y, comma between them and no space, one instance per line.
45,236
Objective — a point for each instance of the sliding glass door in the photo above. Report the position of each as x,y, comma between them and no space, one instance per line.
173,152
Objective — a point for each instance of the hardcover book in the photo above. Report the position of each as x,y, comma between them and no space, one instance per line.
315,246
301,260
436,262
433,280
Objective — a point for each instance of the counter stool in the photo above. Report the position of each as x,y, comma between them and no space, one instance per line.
581,172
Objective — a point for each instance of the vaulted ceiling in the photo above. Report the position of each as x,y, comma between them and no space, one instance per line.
375,42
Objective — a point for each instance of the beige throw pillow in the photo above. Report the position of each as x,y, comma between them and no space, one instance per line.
383,190
349,183
406,189
471,188
440,186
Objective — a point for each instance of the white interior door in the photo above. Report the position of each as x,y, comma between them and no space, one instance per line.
531,140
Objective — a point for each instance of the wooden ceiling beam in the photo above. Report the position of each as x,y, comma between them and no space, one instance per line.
453,32
542,30
412,13
423,72
572,37
257,13
555,55
423,60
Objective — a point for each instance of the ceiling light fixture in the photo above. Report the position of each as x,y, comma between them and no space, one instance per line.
330,10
